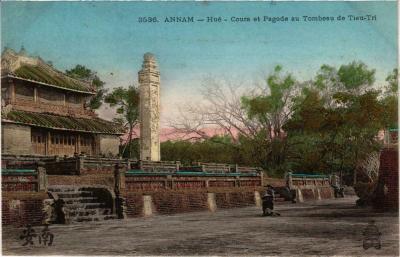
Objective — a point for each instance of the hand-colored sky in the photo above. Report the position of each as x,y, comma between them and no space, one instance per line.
106,37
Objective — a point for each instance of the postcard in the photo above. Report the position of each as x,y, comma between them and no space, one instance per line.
187,128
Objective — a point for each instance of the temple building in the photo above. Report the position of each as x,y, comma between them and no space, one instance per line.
44,111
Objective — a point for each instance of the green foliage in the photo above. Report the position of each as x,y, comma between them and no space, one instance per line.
356,75
126,101
81,72
393,83
390,101
334,137
216,149
272,110
330,125
130,149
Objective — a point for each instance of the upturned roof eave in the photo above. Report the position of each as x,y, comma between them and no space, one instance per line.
49,85
62,129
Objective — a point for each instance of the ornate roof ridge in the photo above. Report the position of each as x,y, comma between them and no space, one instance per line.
15,64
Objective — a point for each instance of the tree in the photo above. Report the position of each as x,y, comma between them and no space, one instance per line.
393,85
81,72
390,101
220,112
339,115
126,101
274,109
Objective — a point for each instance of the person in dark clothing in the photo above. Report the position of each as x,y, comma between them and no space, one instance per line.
268,202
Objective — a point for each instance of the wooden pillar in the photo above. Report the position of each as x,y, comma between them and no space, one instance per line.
77,143
12,91
35,95
48,143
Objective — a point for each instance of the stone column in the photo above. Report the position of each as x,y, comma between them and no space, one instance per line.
147,205
212,205
318,193
257,199
299,196
149,89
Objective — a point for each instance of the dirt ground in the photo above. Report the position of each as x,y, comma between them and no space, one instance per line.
328,227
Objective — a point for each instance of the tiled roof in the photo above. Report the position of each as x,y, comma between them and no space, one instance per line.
21,66
51,77
52,121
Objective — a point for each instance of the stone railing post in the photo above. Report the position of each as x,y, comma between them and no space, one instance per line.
81,165
41,177
119,177
170,182
119,189
212,205
237,181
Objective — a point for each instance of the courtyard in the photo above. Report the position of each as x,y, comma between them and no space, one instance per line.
328,227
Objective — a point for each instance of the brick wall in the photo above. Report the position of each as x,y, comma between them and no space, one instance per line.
180,201
387,191
275,182
234,199
134,204
177,202
308,194
100,179
326,192
22,208
19,183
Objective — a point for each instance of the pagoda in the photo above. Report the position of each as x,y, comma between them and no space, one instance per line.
45,112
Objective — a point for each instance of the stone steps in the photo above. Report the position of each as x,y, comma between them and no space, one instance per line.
81,204
97,218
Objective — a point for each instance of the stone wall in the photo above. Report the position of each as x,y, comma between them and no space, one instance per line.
275,182
22,208
92,180
149,194
108,145
19,182
16,139
310,187
141,204
144,193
